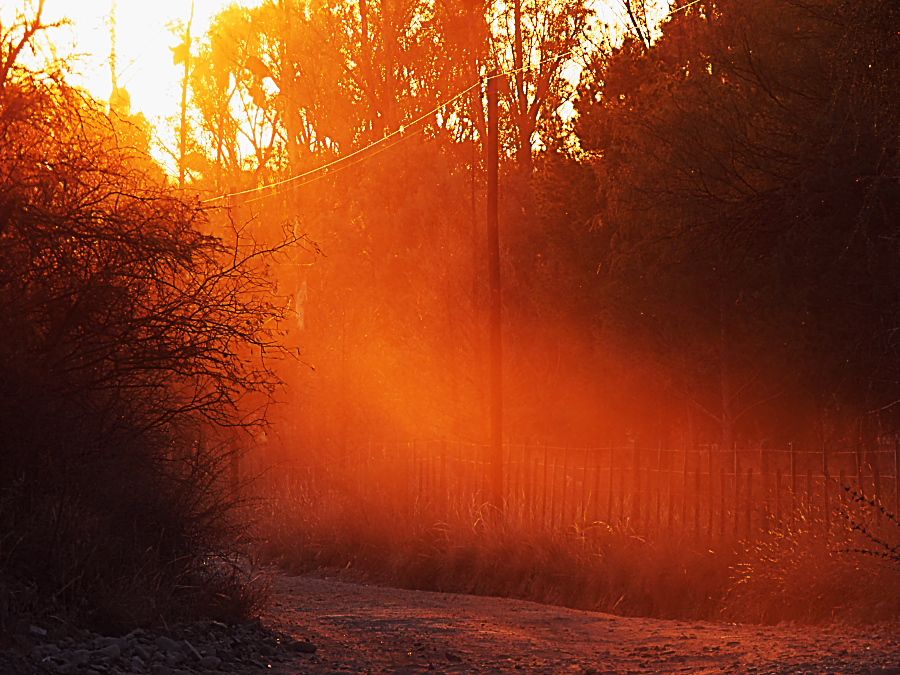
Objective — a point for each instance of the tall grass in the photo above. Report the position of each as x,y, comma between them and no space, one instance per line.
788,573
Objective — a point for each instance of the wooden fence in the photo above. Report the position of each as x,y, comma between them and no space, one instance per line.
704,492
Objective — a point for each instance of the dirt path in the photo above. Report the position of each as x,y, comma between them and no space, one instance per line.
360,628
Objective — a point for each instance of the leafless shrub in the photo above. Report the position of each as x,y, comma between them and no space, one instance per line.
137,341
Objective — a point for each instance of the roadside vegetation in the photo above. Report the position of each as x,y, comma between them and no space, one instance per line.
133,332
793,573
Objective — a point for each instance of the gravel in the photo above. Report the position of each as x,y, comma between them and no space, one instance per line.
207,648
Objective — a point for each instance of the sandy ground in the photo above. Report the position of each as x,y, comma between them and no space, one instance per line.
372,629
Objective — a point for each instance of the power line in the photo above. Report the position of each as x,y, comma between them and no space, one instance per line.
330,169
344,162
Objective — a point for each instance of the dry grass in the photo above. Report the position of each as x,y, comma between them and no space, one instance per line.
788,574
596,567
808,572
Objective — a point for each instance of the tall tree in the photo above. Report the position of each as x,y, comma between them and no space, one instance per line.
738,203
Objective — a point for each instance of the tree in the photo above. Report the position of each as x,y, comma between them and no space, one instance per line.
128,335
536,40
734,195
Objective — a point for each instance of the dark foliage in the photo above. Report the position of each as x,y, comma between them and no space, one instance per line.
134,350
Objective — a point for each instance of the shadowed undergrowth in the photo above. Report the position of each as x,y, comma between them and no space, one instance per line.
788,574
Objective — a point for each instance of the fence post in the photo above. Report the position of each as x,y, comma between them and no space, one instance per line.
565,487
528,505
809,488
749,502
544,490
636,499
737,489
778,497
859,464
554,492
509,482
585,493
737,492
764,479
876,479
697,500
709,489
596,467
622,492
897,476
684,497
462,477
670,496
609,493
825,487
793,482
419,470
657,523
842,494
445,490
723,480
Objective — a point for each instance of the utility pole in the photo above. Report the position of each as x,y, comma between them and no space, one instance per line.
119,102
113,50
185,55
493,241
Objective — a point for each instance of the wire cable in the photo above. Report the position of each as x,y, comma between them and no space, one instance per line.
331,167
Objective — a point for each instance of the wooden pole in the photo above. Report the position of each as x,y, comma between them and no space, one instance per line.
793,459
697,501
897,476
185,84
778,497
876,480
842,493
764,477
684,490
709,491
749,502
493,242
554,491
565,487
609,491
544,490
723,488
670,501
585,493
859,465
825,487
737,493
636,499
445,490
658,481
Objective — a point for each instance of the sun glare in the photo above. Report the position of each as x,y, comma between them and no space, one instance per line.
142,48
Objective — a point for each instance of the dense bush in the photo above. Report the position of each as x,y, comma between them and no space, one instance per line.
133,353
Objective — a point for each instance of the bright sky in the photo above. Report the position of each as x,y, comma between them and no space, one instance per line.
145,66
144,42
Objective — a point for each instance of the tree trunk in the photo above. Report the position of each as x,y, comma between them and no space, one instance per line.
389,20
520,106
288,85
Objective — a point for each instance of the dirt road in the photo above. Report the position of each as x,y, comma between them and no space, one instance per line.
360,628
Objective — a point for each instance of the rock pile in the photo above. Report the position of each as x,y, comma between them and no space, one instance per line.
208,647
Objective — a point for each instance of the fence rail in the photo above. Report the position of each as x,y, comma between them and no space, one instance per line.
704,492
